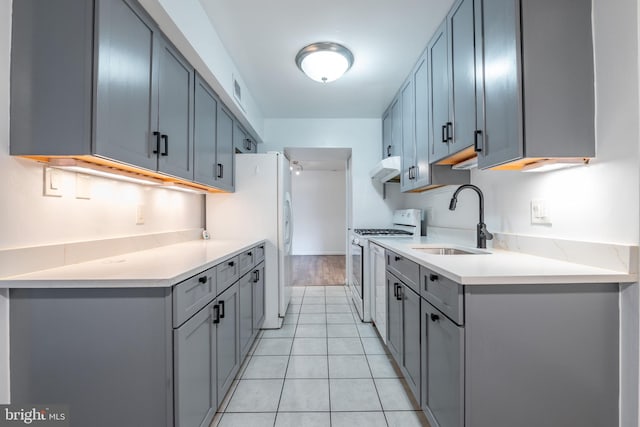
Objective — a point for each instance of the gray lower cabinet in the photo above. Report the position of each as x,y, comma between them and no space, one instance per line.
525,355
442,343
258,297
403,330
194,348
154,357
408,142
441,126
245,290
228,331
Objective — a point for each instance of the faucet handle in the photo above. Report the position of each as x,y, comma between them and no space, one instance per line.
485,233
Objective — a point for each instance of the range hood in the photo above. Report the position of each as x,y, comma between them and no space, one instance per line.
387,170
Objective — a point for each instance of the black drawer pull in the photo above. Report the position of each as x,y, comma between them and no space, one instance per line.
220,170
399,297
250,253
434,317
202,279
216,318
397,258
231,263
395,290
433,277
221,309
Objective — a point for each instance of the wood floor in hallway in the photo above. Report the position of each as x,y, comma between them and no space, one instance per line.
318,270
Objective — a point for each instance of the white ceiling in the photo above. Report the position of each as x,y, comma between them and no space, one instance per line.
385,36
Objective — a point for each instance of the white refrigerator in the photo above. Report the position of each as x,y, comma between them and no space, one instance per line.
260,208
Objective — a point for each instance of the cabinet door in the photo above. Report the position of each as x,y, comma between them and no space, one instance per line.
245,296
394,317
411,339
126,101
396,127
408,147
421,89
242,141
443,368
175,104
463,90
204,133
224,150
228,350
498,98
439,82
258,297
194,354
387,143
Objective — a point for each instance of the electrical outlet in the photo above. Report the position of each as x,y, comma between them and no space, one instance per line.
540,212
140,215
52,186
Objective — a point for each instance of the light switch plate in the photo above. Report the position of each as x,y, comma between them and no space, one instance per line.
52,185
540,212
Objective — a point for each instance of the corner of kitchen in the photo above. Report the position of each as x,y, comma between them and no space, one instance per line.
198,231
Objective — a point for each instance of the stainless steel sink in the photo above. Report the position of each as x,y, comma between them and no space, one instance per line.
448,251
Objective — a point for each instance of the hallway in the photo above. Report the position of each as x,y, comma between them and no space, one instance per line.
318,270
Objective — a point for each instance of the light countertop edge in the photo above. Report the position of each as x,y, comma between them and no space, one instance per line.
163,266
502,267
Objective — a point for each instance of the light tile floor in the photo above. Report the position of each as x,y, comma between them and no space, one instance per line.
323,368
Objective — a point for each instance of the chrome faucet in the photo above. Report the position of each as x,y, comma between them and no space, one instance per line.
482,235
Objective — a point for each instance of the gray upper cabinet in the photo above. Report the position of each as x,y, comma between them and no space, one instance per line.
242,140
204,133
441,127
408,145
387,143
126,105
422,173
462,76
224,150
396,128
175,105
534,81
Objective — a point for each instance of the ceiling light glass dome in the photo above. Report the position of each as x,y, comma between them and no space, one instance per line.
324,62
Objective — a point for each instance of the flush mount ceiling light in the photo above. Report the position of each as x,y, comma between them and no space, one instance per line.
295,167
325,61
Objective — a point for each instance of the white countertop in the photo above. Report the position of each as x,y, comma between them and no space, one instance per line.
159,267
501,267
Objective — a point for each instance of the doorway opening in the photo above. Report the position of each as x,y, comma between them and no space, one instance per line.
321,202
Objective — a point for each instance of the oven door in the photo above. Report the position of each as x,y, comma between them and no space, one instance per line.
356,268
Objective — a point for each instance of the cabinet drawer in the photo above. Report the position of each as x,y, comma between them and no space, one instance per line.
259,251
406,270
193,294
443,293
226,273
246,261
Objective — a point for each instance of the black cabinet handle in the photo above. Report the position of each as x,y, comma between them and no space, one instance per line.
157,149
395,290
399,296
220,170
250,253
397,258
434,317
231,263
433,277
216,310
256,276
221,309
449,131
476,145
388,150
202,279
444,133
165,137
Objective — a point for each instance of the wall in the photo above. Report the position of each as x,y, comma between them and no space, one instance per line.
319,212
29,219
364,137
599,202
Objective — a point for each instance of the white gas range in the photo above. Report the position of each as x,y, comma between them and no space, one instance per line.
406,224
